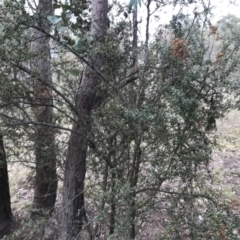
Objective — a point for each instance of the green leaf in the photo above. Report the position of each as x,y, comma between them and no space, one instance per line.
62,29
57,6
73,72
140,3
89,38
54,19
66,7
69,15
79,46
69,40
134,3
131,3
74,26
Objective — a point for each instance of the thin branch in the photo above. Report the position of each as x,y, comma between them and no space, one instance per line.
31,6
76,53
147,32
122,83
72,50
135,36
39,124
32,74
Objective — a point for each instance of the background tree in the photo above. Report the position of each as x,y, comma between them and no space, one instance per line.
228,32
42,103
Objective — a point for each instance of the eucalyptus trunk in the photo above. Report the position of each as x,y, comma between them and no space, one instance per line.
73,214
5,203
45,152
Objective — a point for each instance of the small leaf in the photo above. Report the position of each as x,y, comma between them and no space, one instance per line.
79,46
69,40
54,19
69,15
74,26
56,6
66,7
62,29
89,38
74,72
119,12
131,3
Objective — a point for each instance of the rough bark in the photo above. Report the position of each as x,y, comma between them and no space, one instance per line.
133,184
135,36
113,204
45,152
5,203
73,214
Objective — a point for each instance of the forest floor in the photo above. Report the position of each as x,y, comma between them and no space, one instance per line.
225,168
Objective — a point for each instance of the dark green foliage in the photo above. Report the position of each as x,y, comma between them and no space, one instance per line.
150,139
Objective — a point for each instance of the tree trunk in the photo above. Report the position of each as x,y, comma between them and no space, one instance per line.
5,203
73,191
113,204
45,152
133,184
